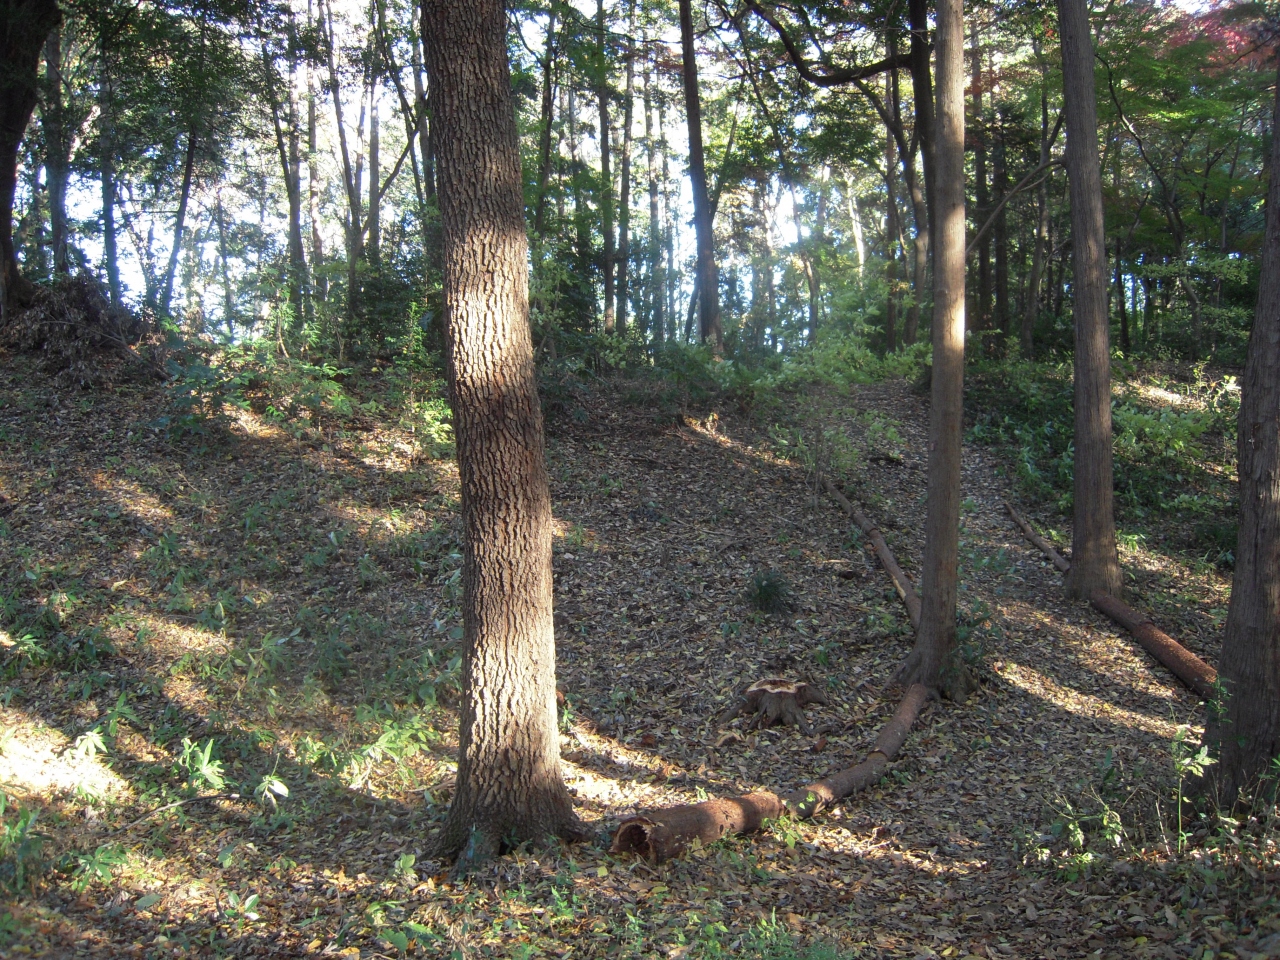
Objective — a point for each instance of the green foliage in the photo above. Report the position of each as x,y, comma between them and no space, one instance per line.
769,592
21,848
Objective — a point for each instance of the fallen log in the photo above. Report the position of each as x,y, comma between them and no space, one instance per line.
1198,676
1201,678
1045,546
663,834
901,582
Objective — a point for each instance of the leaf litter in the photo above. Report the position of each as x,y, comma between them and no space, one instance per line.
291,596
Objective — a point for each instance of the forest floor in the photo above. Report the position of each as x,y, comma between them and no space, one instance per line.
273,606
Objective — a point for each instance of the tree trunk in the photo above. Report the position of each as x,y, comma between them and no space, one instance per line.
1095,565
708,274
548,116
890,246
922,99
107,181
320,289
375,179
1000,176
934,661
509,786
606,173
178,222
982,199
24,27
1031,308
1247,732
657,279
624,200
1120,293
228,299
56,159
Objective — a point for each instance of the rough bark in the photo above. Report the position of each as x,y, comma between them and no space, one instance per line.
663,834
933,662
24,27
1095,564
509,784
708,275
1248,733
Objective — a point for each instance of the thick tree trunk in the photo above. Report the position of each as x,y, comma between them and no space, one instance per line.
934,661
1095,565
606,173
24,27
179,222
56,159
509,785
548,116
708,275
1247,733
624,199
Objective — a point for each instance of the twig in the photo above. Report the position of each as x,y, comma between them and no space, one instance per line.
1045,546
172,806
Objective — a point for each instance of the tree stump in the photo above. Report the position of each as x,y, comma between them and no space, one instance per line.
775,700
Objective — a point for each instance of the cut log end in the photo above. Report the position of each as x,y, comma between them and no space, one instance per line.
776,700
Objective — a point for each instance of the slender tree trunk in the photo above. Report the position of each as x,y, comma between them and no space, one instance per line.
179,221
1095,564
107,181
1031,308
855,221
624,200
890,245
56,159
933,662
1120,292
228,299
657,279
375,179
708,274
509,786
321,286
668,233
606,173
1000,176
982,199
548,117
1247,731
922,98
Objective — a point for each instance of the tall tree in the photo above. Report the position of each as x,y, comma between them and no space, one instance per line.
1095,565
624,158
933,660
708,274
606,171
1247,731
24,27
509,784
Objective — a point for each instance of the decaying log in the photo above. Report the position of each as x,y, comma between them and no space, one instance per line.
1044,545
662,834
1199,677
901,582
775,700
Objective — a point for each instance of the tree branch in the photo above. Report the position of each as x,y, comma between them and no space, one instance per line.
832,76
